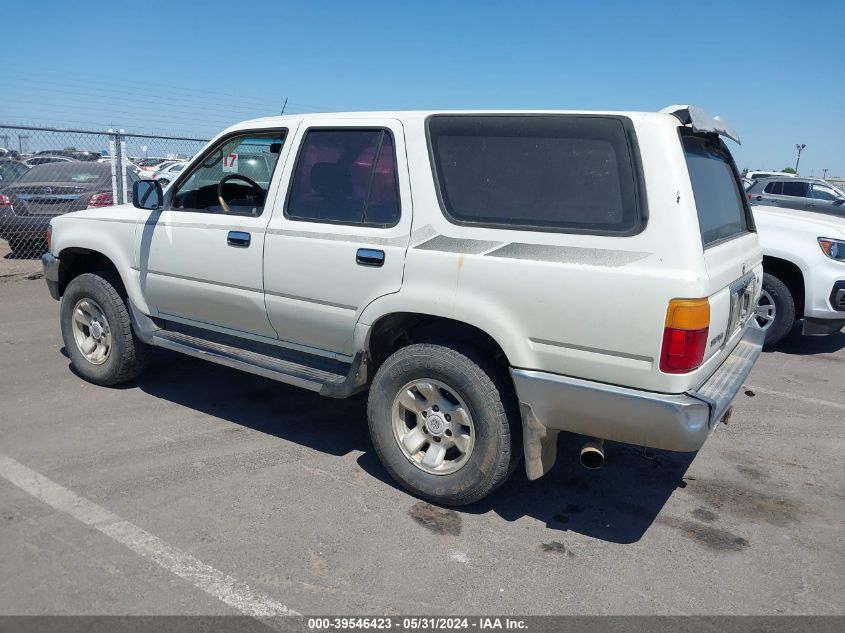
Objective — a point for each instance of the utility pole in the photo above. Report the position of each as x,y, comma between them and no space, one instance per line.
824,173
799,147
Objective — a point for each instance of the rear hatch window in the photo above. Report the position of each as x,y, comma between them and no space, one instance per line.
718,195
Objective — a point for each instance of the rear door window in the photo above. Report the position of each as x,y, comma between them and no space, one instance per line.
795,189
345,176
774,188
551,172
718,196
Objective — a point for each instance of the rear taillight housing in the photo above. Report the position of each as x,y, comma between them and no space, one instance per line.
5,201
103,199
685,335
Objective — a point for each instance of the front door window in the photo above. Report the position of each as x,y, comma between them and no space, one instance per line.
234,177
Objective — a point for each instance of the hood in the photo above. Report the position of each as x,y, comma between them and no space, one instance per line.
824,225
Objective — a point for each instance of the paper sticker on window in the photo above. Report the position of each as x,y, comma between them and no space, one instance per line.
230,162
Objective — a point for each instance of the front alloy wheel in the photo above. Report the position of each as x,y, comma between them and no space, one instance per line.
91,331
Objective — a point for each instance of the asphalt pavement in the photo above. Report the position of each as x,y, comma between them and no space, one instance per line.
202,490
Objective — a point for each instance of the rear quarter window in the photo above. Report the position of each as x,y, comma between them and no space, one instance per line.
719,199
564,173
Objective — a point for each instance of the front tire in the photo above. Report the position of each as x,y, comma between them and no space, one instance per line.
444,423
775,312
97,330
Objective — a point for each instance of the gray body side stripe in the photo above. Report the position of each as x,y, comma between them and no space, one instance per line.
457,245
118,220
202,281
568,254
401,240
199,225
248,289
307,300
595,350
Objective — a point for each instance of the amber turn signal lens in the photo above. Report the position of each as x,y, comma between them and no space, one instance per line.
688,314
49,238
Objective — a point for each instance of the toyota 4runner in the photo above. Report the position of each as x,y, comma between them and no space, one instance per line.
492,278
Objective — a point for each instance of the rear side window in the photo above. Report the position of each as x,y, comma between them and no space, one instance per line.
796,189
718,196
555,173
345,177
775,188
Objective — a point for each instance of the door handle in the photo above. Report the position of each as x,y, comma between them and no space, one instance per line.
369,257
238,238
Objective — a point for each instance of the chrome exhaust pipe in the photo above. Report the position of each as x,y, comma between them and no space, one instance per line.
592,454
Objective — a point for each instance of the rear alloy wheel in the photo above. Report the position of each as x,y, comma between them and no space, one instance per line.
775,312
432,426
444,422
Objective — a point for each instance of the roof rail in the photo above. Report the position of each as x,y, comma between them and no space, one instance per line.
700,121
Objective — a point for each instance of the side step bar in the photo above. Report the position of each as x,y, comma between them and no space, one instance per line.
324,382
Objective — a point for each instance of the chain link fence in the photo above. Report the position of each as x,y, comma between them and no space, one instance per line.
45,172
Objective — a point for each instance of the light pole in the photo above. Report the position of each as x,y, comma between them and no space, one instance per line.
824,174
799,147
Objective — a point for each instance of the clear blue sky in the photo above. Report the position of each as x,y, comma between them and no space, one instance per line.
776,70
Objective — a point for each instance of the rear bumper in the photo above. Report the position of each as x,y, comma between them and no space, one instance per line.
24,227
50,264
551,403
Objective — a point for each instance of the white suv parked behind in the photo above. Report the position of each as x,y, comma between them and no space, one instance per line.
493,278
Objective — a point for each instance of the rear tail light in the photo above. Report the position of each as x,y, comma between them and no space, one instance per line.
103,199
5,201
49,237
685,335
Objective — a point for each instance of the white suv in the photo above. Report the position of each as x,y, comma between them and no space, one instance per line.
493,278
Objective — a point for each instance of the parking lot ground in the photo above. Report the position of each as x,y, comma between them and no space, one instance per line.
204,470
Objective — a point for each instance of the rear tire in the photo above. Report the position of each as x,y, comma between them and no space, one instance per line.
775,310
484,415
97,330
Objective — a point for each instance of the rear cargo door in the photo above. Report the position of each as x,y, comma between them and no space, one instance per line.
731,250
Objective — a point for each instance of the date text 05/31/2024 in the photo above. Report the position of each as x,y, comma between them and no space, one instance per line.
416,623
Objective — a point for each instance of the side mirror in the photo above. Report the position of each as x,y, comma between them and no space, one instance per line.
147,194
839,202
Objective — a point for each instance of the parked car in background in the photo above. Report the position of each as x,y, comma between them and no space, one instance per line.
149,171
166,174
10,171
593,273
9,153
753,175
43,159
806,194
46,191
74,154
804,271
151,163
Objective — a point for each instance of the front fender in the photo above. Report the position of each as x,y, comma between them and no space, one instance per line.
112,237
